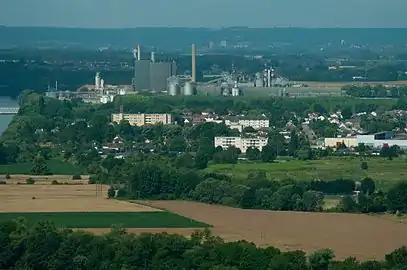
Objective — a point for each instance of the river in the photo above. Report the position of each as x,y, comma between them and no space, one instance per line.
6,119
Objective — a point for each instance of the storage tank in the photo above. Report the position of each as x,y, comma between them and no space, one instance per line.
189,89
258,80
235,90
97,81
174,88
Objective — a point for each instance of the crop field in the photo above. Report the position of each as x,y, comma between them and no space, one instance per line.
346,234
78,206
383,171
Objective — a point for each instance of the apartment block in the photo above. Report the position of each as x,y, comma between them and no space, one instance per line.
242,143
254,123
141,119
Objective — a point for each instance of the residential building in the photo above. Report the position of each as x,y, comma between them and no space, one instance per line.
242,143
254,123
141,119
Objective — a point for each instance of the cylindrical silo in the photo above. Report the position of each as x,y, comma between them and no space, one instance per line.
258,80
97,81
174,88
189,89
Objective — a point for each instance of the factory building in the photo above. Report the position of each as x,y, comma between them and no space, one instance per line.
159,74
152,75
141,119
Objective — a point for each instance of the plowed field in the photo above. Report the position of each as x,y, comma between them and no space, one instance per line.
361,236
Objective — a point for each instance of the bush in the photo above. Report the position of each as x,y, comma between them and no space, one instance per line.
7,176
30,181
54,182
3,183
111,192
76,177
364,165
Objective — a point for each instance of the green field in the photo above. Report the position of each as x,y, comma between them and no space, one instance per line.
383,171
55,166
107,219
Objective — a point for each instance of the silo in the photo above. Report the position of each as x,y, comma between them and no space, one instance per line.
258,80
174,88
97,81
189,89
235,90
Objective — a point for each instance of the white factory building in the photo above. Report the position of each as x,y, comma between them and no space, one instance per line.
377,141
242,143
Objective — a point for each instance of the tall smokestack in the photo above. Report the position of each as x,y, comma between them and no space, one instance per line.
138,52
153,57
193,79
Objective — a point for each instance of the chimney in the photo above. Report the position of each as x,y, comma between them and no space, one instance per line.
153,57
138,52
193,78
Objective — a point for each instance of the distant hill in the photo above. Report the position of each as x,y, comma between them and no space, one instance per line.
175,38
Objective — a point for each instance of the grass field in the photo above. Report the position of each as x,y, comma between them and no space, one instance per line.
383,171
79,206
159,219
55,166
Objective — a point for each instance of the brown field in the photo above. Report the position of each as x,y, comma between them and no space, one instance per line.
62,198
361,236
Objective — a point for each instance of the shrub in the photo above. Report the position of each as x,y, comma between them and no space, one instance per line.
7,176
76,177
54,182
30,181
111,192
364,165
3,183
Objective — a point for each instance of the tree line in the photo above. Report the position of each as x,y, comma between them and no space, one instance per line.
153,177
44,246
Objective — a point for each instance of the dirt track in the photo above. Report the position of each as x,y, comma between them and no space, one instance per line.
62,198
361,236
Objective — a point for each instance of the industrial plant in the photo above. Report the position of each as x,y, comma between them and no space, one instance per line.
150,75
97,93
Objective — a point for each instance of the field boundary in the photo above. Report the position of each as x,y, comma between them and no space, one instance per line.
160,219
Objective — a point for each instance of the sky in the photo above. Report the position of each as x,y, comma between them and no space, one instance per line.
203,13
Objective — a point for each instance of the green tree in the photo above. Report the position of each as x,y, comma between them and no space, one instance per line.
111,193
313,201
253,154
367,186
268,153
397,197
40,166
364,165
321,259
348,204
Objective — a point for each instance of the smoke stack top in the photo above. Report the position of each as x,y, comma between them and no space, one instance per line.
193,79
138,52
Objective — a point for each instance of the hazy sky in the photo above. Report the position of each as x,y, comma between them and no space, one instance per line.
204,13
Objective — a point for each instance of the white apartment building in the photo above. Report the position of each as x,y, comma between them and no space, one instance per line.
254,123
141,119
242,143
